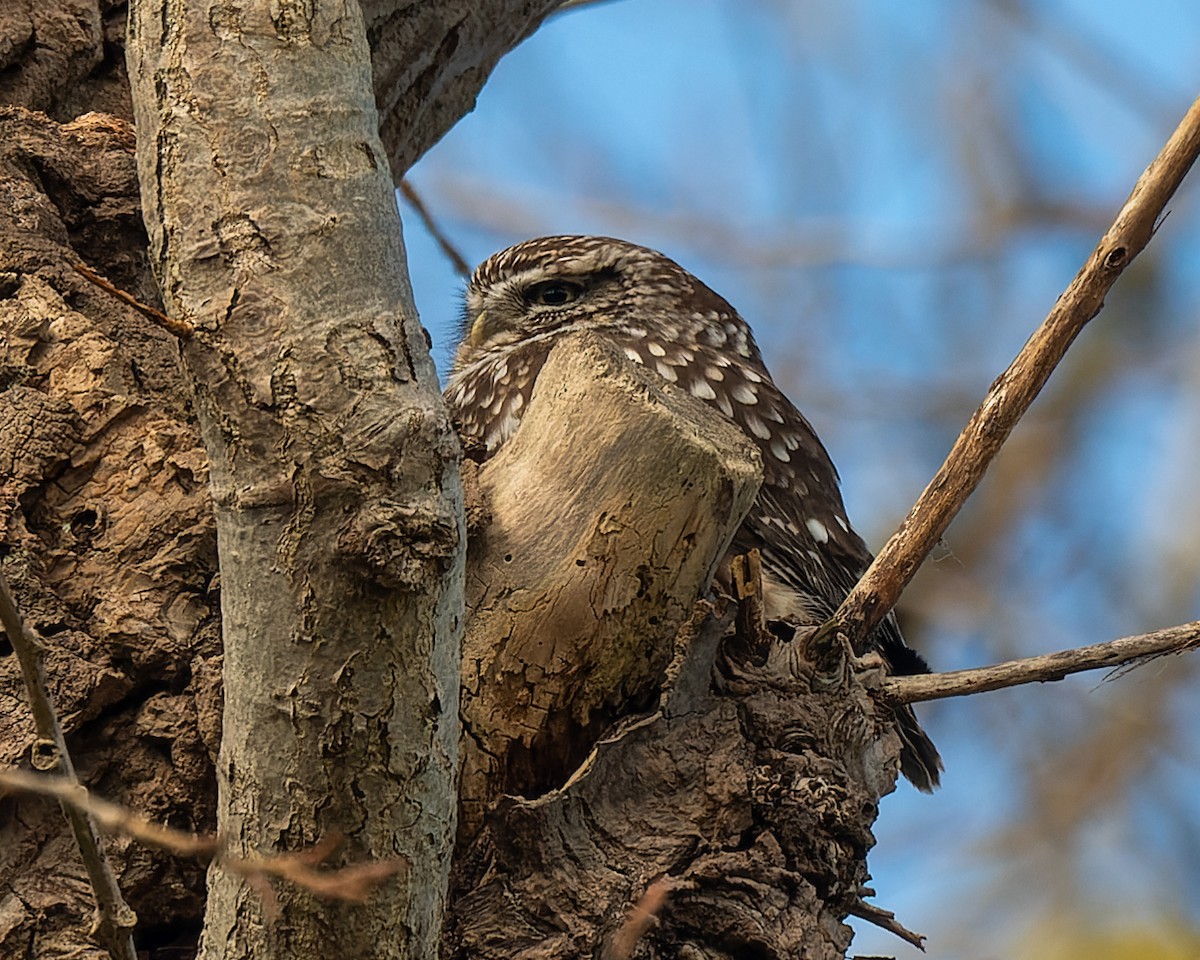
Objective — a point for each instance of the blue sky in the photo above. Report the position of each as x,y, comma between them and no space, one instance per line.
848,175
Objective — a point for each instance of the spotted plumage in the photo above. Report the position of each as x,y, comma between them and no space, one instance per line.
523,299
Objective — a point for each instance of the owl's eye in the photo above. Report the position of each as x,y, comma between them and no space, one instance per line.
554,293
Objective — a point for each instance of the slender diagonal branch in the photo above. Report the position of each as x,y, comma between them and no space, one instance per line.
1049,666
461,267
115,919
181,328
1015,389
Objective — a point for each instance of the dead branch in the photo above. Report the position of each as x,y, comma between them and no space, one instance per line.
572,620
1015,389
114,918
642,916
1040,669
181,328
461,267
352,883
886,920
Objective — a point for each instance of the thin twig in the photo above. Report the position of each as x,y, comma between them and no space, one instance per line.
414,199
1050,666
115,920
641,917
181,328
1012,393
353,883
886,920
572,5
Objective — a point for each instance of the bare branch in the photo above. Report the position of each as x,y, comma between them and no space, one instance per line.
115,920
886,920
1013,392
461,267
352,883
181,328
1049,666
641,917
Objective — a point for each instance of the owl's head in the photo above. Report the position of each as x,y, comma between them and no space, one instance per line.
540,289
521,301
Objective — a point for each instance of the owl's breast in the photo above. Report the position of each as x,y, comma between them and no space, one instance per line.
488,395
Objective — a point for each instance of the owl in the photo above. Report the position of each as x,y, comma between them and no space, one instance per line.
521,301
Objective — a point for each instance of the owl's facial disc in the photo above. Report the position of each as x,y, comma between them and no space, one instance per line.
521,306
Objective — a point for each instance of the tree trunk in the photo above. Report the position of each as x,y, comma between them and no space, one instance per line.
333,464
626,744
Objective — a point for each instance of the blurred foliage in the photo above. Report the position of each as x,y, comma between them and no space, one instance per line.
894,195
1166,940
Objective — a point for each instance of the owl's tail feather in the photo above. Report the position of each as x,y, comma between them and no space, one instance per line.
919,759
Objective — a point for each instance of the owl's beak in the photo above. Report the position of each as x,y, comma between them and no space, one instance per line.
479,329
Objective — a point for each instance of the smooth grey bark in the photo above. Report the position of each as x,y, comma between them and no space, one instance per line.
269,205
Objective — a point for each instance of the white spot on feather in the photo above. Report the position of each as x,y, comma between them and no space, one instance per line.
817,529
743,393
756,426
702,390
666,371
656,348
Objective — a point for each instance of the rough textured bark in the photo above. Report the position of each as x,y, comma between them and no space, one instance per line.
747,788
333,464
107,536
429,60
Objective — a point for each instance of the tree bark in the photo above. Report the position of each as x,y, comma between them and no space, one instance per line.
108,533
609,511
334,467
428,60
107,537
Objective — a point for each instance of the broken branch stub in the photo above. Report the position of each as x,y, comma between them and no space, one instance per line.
610,509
